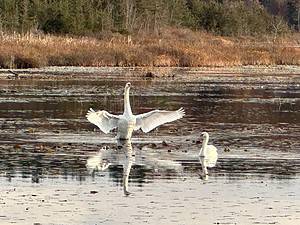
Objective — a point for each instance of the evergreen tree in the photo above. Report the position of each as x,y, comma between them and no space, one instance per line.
293,13
80,17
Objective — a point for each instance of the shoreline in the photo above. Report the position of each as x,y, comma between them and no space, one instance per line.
150,72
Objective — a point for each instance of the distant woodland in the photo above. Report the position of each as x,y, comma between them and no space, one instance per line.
146,33
93,17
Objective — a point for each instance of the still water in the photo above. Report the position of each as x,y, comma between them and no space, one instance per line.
57,168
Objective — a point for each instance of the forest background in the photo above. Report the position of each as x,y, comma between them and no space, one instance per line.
37,33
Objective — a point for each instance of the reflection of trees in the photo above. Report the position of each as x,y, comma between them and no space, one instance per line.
41,166
38,167
138,173
243,167
243,105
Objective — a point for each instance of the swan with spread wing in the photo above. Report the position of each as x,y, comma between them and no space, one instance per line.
127,122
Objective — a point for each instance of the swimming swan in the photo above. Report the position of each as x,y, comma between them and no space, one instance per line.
127,122
208,155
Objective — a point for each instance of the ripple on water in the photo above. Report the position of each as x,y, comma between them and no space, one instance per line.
46,142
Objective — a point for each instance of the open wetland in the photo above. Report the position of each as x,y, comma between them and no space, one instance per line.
57,168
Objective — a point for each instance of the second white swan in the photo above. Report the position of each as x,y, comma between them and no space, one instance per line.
208,155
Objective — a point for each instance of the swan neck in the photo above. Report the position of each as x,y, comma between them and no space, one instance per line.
127,107
204,145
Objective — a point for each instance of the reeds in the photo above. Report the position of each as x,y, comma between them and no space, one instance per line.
174,47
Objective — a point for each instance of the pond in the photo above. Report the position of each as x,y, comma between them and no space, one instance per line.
57,168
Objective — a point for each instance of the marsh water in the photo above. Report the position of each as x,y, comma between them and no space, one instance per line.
57,168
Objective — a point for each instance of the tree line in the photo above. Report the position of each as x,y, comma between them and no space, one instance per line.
90,17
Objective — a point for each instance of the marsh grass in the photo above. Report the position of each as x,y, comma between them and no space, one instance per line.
174,47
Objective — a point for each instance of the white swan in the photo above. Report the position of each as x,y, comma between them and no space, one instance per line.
208,155
127,122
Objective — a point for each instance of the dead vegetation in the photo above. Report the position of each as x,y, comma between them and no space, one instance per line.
174,47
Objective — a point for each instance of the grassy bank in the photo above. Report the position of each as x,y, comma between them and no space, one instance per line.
174,47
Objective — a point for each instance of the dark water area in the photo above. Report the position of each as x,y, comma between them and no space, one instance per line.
52,157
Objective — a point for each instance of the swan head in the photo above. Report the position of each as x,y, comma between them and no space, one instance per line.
205,135
127,86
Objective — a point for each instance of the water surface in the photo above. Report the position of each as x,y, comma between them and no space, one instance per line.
50,152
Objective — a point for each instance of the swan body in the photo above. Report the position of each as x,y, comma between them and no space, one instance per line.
127,122
126,125
208,154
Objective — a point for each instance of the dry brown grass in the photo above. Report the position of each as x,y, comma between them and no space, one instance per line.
175,47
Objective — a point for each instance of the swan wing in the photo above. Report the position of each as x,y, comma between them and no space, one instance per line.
149,121
102,119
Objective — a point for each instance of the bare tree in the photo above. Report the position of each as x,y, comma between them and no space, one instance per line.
130,14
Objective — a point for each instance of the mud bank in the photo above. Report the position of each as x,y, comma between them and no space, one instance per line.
194,73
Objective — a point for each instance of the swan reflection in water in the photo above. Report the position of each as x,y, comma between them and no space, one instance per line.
126,146
99,162
126,155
